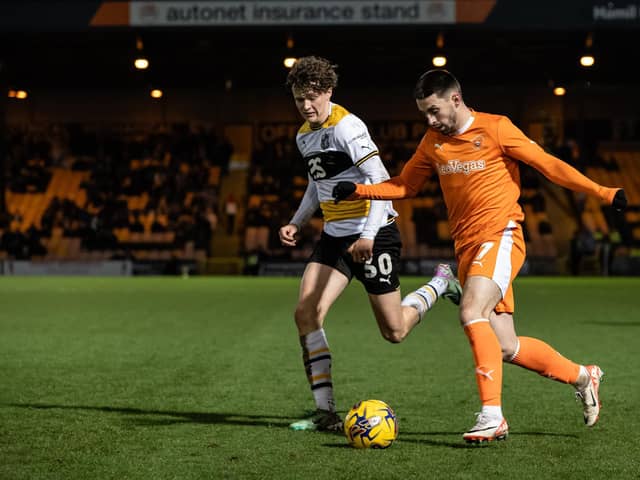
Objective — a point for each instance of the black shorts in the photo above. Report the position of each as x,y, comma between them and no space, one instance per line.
380,274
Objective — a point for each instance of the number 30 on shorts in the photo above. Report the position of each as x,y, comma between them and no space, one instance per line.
384,266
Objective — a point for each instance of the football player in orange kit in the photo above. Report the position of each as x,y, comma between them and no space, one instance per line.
476,158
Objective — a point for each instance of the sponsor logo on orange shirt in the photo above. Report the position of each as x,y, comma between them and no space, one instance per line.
456,166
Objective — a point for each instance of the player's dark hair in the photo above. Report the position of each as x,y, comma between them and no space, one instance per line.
435,81
312,73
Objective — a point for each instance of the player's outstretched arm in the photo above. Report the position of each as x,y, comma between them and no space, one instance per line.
407,184
343,190
517,145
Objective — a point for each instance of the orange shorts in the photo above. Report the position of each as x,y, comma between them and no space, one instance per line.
498,257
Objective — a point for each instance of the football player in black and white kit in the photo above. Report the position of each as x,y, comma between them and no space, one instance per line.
359,238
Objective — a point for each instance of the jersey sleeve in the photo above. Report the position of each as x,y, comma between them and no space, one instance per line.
518,146
374,169
308,205
408,183
352,136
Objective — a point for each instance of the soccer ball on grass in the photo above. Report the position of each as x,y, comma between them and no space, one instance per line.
371,424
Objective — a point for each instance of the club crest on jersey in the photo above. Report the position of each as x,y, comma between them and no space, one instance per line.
456,166
324,141
477,141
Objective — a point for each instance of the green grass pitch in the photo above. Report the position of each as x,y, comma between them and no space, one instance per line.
198,378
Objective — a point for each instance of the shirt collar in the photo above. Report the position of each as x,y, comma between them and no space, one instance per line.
466,125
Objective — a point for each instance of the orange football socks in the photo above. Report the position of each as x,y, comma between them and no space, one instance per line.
540,357
487,355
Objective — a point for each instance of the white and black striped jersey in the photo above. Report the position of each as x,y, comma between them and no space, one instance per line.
341,149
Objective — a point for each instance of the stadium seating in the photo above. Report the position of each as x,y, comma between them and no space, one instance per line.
91,207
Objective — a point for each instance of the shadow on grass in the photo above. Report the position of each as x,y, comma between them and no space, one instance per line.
154,418
458,444
434,443
461,444
151,417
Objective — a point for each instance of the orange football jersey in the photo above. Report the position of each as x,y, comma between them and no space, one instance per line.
479,175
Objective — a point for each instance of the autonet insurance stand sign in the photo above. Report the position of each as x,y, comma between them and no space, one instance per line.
229,13
506,13
37,15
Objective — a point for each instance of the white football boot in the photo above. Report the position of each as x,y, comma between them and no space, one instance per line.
589,396
487,429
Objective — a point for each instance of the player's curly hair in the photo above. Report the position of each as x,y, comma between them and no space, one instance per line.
312,73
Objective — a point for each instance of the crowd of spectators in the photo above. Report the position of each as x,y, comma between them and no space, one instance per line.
169,166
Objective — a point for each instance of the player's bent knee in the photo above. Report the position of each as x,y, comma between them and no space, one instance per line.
470,314
394,336
467,315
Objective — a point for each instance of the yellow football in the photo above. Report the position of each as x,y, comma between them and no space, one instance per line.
371,424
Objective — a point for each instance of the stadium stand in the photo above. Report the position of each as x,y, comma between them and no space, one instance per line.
80,194
154,194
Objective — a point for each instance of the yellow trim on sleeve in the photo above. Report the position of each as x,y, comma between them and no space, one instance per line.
365,158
